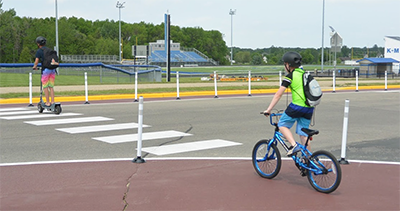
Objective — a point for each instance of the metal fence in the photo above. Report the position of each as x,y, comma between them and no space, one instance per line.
105,73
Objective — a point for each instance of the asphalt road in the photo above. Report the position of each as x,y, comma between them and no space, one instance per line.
373,128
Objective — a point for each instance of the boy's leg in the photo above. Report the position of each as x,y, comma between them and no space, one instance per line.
46,78
288,135
46,94
303,123
285,123
50,83
52,94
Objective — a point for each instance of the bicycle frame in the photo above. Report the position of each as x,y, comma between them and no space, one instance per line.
314,166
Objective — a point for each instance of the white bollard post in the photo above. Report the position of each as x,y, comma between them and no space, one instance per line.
344,135
385,80
177,85
215,84
249,83
356,80
136,79
30,90
86,89
139,158
334,81
280,78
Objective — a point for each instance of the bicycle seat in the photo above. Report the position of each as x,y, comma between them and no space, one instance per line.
309,132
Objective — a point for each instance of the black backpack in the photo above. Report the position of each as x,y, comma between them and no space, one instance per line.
48,55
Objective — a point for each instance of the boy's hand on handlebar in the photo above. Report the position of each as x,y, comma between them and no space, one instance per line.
266,113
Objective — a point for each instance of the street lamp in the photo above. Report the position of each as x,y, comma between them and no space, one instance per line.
58,52
232,12
322,49
119,6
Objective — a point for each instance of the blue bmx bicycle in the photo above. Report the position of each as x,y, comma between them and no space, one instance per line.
321,167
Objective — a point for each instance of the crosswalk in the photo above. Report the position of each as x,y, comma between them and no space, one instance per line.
104,124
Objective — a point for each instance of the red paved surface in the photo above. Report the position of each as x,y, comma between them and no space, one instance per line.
191,185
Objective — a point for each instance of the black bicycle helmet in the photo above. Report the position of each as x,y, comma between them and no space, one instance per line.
292,58
41,40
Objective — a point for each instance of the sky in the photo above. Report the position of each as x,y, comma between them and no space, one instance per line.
255,24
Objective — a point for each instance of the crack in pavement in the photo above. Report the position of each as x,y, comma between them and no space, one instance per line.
128,184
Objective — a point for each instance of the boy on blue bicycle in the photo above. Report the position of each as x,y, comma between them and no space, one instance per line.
297,110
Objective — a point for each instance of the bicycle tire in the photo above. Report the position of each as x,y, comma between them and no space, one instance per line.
267,163
328,180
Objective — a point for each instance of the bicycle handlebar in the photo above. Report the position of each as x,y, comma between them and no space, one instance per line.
270,116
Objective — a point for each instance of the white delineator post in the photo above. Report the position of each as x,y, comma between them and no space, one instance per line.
249,83
86,89
344,135
356,80
139,158
215,84
386,80
136,78
334,81
280,78
30,90
177,85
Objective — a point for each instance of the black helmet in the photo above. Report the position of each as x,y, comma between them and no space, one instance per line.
292,58
41,40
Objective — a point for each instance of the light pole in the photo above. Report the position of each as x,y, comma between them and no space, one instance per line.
58,52
119,6
232,12
322,50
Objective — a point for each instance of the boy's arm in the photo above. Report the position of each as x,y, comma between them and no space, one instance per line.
276,99
36,63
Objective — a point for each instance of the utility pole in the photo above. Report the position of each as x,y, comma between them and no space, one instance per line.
232,13
120,6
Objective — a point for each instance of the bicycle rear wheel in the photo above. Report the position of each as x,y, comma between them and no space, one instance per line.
266,159
327,175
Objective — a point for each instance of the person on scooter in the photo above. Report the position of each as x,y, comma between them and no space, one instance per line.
48,75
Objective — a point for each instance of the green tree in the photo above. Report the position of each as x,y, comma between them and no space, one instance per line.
25,56
307,56
256,59
242,57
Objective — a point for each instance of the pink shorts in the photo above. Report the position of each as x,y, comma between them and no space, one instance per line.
48,77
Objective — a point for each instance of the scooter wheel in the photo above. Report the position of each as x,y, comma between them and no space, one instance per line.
57,109
40,108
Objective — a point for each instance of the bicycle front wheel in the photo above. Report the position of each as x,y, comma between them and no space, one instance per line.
266,159
325,174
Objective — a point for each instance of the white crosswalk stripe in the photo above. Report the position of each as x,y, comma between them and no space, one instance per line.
46,115
68,121
145,136
18,112
189,147
12,109
100,128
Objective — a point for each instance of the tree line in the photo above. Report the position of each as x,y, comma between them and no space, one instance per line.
78,36
273,55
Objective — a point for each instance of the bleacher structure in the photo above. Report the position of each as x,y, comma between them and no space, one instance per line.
153,54
178,57
107,59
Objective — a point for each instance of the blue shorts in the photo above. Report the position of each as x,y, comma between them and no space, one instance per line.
287,121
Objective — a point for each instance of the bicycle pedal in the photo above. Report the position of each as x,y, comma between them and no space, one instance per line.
303,174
